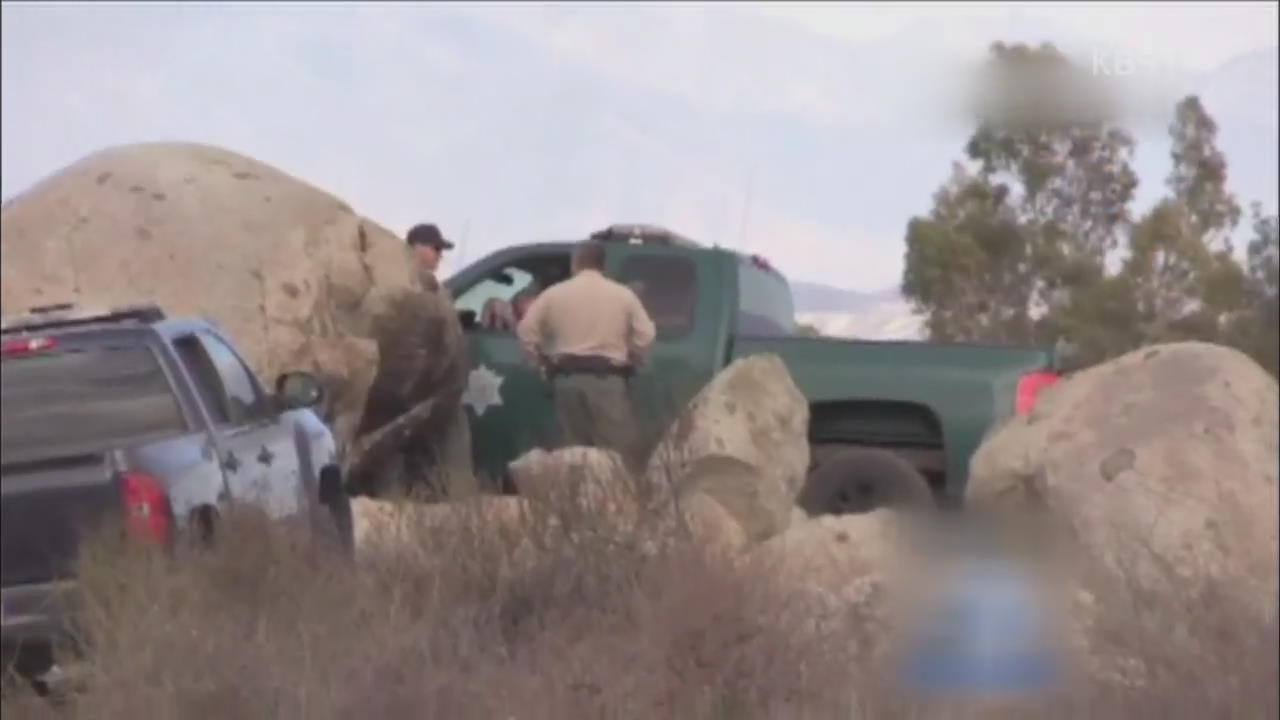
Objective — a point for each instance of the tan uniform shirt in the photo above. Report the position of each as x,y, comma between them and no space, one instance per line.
588,314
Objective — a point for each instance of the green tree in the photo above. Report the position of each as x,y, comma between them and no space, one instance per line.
967,264
1199,177
1256,330
1018,242
1009,243
1186,283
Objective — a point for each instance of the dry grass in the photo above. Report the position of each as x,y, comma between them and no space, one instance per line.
555,618
470,623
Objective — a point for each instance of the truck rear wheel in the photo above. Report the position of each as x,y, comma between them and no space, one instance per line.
859,480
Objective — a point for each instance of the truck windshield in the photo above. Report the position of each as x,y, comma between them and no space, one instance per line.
765,307
83,400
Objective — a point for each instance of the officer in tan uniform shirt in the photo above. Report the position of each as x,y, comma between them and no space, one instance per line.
589,334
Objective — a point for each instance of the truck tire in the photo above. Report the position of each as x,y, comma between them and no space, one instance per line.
859,480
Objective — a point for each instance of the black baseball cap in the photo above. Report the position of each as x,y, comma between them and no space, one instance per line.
428,234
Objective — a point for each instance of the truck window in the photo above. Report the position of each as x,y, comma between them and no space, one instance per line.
204,376
490,288
245,402
526,276
765,306
83,400
668,287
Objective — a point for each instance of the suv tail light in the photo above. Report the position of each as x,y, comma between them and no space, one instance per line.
147,513
1029,387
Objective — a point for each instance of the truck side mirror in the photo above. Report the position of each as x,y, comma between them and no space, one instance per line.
298,390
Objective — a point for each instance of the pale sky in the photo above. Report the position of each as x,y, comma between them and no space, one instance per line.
808,132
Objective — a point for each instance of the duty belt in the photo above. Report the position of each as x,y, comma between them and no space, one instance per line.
587,365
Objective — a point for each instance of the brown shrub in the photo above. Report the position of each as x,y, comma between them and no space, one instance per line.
468,623
559,617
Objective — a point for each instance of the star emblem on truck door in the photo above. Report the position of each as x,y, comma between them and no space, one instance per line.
483,389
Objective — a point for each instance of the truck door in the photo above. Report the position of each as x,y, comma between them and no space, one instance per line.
679,289
508,403
258,454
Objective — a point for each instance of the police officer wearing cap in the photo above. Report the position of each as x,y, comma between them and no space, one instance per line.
452,450
428,246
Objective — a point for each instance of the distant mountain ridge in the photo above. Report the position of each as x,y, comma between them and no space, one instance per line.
816,297
856,314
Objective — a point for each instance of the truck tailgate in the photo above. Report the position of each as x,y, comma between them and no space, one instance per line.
48,506
70,403
966,388
930,373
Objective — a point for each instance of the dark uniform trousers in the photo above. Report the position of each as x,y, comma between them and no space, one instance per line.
594,409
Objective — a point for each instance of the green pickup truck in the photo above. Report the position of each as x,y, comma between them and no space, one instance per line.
873,405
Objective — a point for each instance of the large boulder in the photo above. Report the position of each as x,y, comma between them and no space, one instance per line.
594,486
593,480
841,562
743,442
291,273
415,530
1158,470
844,574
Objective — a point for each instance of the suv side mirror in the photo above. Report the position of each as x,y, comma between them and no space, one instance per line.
297,390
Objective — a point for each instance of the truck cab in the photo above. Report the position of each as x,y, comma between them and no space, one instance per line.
927,404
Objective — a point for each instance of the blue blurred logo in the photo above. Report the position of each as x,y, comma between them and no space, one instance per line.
985,634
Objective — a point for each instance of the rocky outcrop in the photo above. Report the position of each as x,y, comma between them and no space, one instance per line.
291,273
742,441
403,528
712,527
842,569
1159,471
594,485
593,480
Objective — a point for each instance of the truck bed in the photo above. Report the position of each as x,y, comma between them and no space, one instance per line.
965,388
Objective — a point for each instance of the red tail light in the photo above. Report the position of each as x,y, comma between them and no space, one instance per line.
26,346
1029,387
147,512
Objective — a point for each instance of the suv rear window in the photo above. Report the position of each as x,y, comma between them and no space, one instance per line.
765,307
83,400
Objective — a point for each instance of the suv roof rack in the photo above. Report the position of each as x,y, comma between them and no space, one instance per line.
68,314
643,234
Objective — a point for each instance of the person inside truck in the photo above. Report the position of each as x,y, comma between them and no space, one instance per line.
499,314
